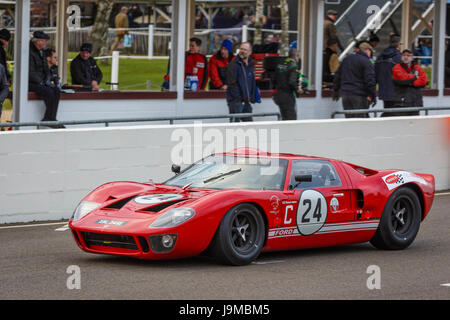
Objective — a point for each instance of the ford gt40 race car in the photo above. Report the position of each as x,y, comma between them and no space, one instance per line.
237,204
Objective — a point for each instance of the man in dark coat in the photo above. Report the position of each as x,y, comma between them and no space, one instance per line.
4,87
329,29
5,35
355,80
84,69
286,83
388,58
241,83
39,78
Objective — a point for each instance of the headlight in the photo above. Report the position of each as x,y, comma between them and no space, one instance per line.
173,217
83,209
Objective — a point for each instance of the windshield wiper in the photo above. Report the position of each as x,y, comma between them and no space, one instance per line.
222,175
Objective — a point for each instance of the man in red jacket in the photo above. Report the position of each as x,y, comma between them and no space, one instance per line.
217,66
196,64
409,79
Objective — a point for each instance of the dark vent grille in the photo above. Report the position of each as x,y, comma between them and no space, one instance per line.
75,235
110,240
144,244
162,206
119,204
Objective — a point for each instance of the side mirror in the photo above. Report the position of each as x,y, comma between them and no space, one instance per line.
176,168
303,178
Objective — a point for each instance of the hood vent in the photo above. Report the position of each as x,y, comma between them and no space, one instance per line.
119,204
162,206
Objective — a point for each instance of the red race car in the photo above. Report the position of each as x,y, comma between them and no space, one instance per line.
235,205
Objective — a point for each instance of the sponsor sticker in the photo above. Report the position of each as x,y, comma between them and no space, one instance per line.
399,178
334,204
157,198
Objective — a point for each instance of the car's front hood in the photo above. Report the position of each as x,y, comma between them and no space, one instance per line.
144,200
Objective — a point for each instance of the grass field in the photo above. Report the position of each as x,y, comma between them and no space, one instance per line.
133,74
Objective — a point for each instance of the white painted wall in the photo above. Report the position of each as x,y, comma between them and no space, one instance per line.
45,173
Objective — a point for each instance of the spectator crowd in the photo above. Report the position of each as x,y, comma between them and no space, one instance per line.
394,76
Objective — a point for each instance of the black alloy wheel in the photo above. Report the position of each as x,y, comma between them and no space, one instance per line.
240,236
400,221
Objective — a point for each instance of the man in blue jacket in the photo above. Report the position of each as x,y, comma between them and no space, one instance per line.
355,80
241,83
388,58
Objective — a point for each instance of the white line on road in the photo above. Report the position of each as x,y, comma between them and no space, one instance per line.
267,262
445,284
63,228
34,225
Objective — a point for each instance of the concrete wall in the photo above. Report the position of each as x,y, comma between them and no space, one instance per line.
45,173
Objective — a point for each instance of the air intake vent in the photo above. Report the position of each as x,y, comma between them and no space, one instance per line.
162,206
119,204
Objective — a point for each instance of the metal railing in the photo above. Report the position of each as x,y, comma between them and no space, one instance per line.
107,122
389,110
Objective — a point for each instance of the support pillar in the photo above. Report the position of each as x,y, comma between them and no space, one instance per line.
177,51
304,34
62,38
439,27
21,58
407,16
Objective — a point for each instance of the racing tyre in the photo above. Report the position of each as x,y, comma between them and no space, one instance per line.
240,236
399,222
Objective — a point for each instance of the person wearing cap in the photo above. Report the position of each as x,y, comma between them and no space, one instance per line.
39,79
5,35
84,69
409,79
387,59
329,29
217,66
355,81
330,63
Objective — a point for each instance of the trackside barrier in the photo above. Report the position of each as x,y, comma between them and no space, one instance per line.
45,173
171,120
389,110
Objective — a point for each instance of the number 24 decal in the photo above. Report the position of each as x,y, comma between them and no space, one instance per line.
317,215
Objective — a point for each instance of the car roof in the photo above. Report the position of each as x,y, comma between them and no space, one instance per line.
250,152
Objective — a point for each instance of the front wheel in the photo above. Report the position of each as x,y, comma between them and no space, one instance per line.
240,236
399,222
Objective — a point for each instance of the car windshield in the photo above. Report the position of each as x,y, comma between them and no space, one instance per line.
230,172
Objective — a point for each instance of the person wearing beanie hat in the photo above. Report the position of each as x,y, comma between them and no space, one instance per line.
84,69
218,66
5,35
387,59
39,79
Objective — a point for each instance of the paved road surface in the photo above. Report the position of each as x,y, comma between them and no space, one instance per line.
35,260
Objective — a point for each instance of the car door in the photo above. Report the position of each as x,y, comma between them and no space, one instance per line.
323,197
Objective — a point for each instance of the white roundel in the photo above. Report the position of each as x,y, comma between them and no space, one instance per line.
157,198
312,212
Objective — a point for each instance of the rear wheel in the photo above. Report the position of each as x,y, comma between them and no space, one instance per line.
240,236
400,221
